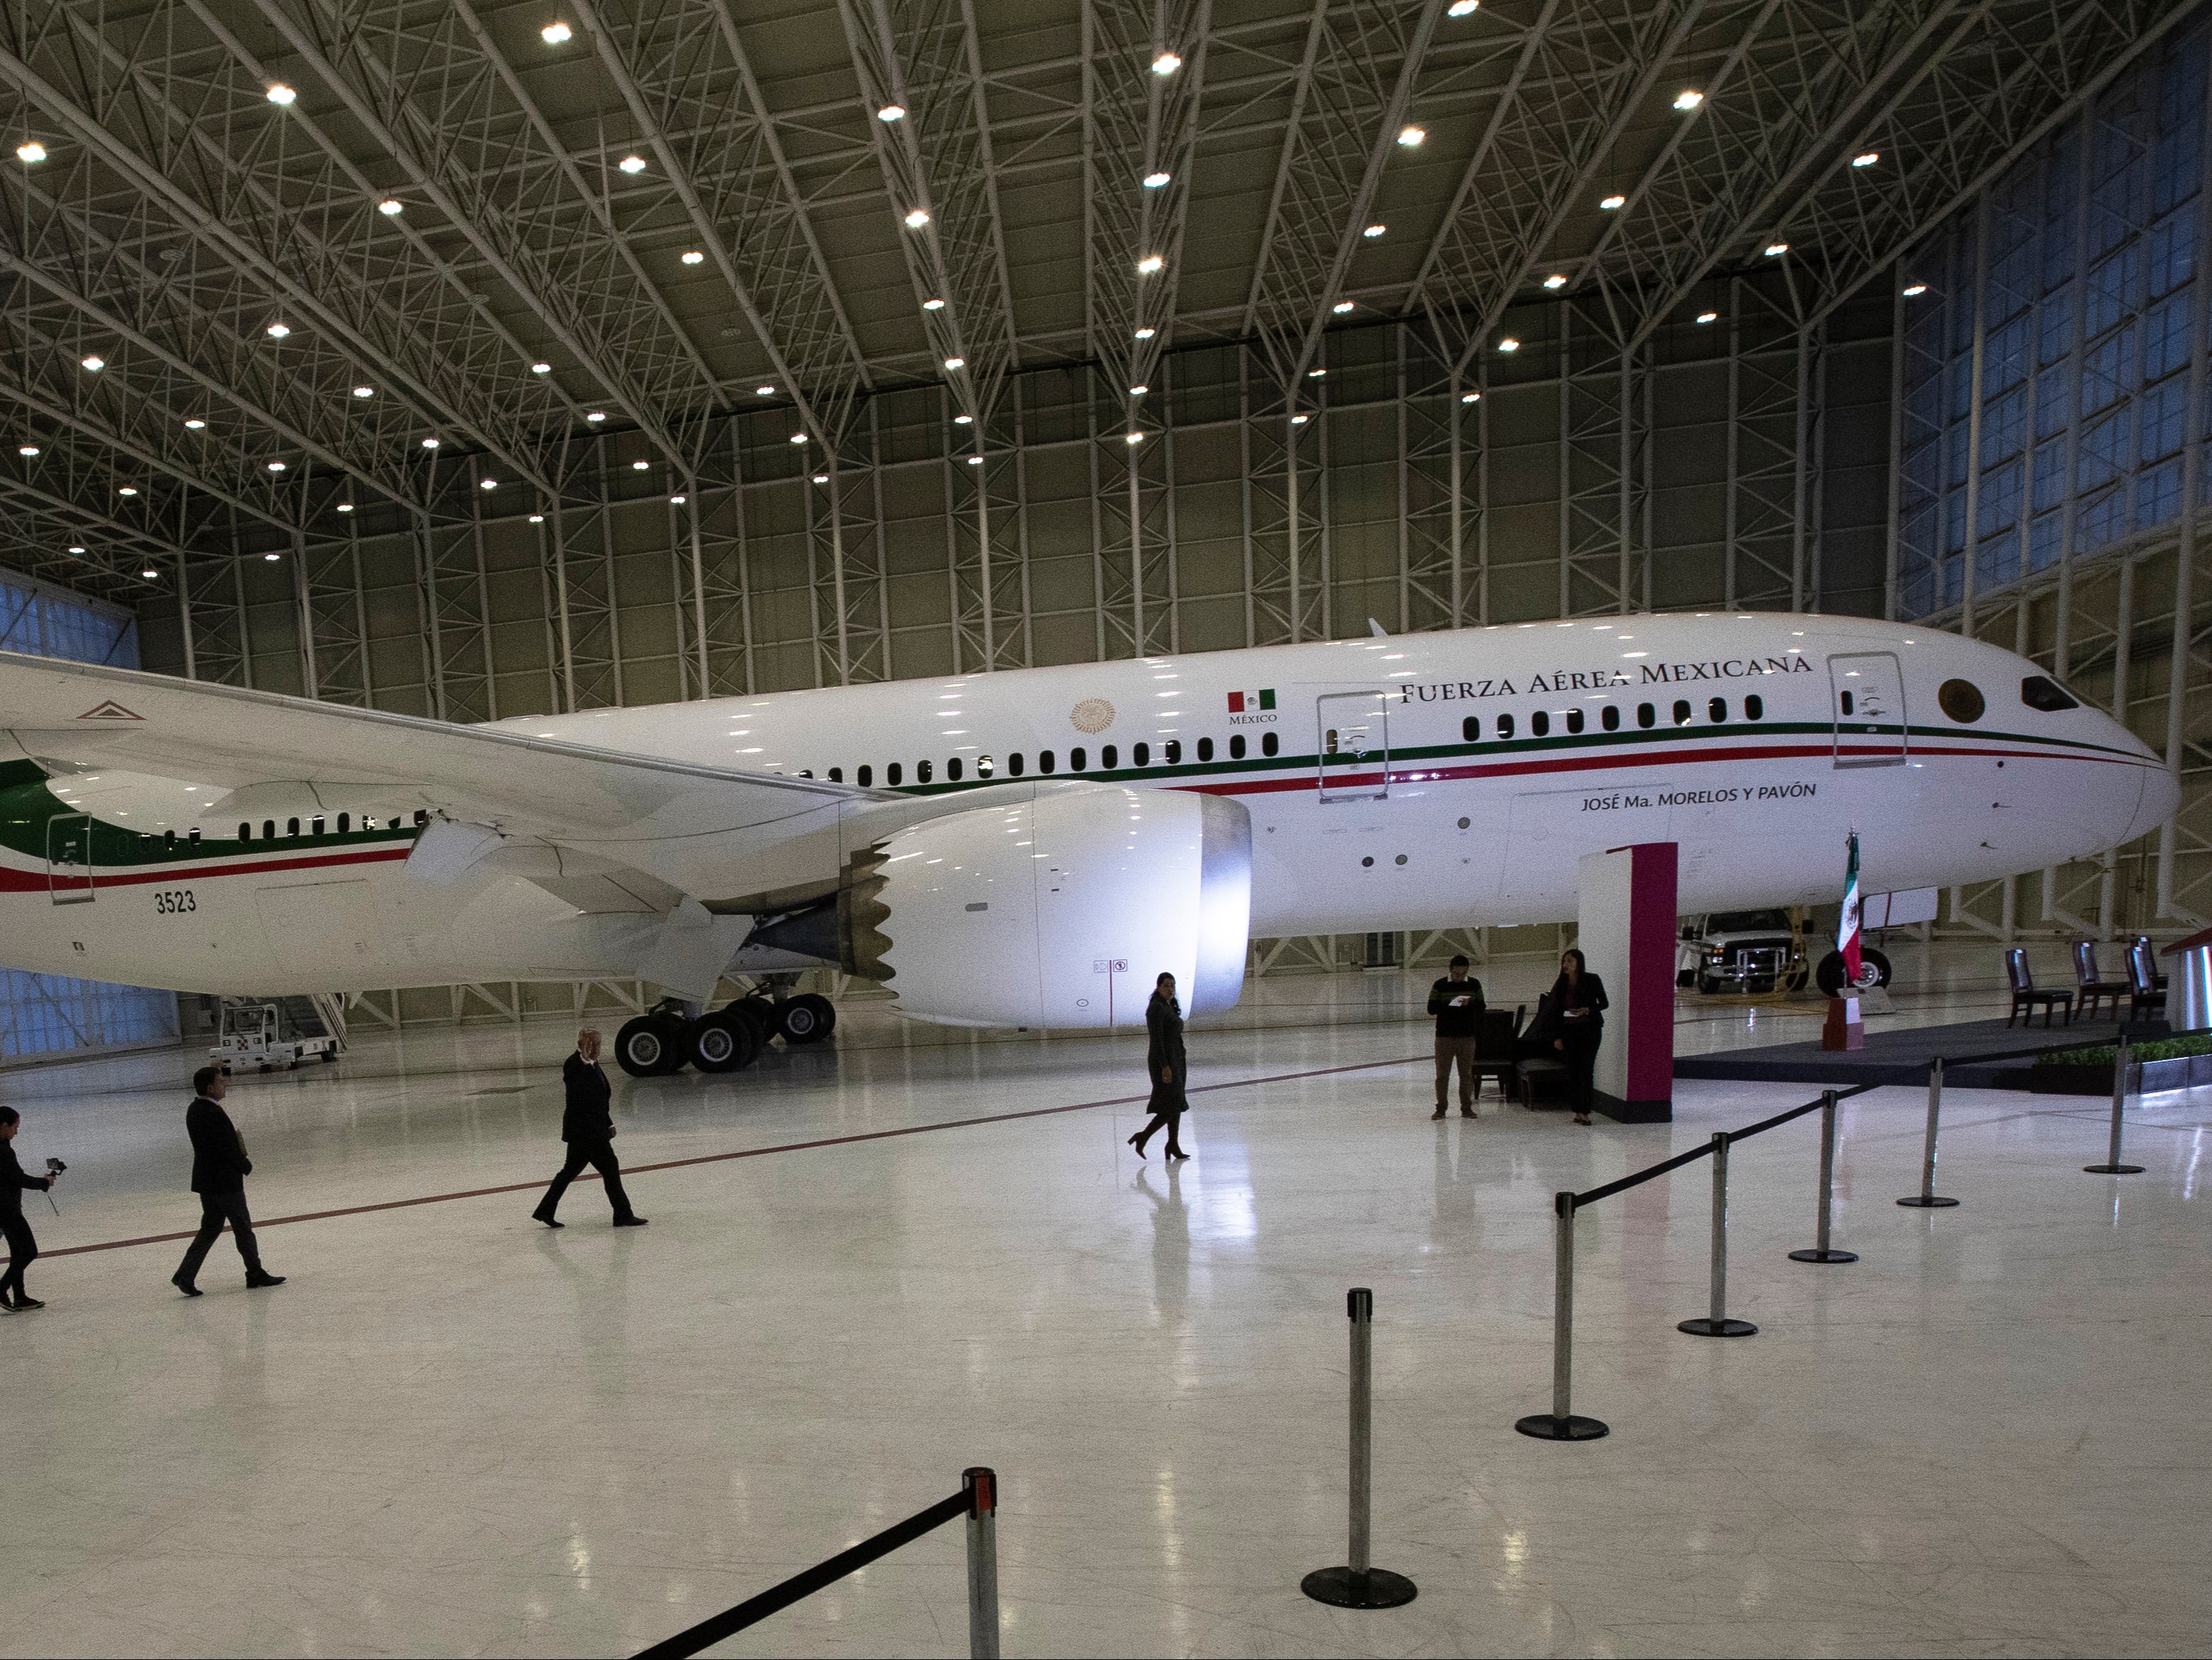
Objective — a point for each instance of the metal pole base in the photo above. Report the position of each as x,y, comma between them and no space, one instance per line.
1705,1326
2113,1169
1824,1256
1358,1587
1928,1201
1545,1428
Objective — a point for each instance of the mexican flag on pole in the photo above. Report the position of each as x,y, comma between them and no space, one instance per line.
1847,932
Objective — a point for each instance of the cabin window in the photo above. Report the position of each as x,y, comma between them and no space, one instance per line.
1014,764
168,838
1269,743
1173,751
1646,716
837,775
1504,727
1141,754
893,773
1755,708
1610,717
1574,720
1206,748
1681,711
2040,691
269,830
316,825
866,776
245,832
922,769
193,835
952,770
1109,757
806,772
1077,760
1470,730
1045,761
1717,710
1962,700
345,823
291,827
422,816
1237,746
983,766
1540,723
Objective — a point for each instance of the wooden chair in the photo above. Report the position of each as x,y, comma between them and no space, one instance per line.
1495,1053
2150,956
2090,986
2025,995
2145,994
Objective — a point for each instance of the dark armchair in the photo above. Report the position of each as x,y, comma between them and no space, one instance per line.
2026,997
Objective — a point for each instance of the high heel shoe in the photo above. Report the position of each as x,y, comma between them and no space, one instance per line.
1138,1142
1177,1154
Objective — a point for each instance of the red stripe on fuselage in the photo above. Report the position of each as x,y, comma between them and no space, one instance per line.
25,881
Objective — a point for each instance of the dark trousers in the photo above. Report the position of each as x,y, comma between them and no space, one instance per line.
600,1155
216,1209
22,1248
1460,1052
1579,1051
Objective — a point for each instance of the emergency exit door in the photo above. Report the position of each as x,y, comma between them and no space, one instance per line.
1354,745
68,858
1869,691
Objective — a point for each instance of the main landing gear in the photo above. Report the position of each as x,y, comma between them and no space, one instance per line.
663,1040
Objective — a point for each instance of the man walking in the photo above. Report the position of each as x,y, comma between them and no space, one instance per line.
23,1244
1456,1002
589,1129
220,1168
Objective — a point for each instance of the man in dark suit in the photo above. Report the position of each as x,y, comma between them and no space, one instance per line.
220,1168
589,1129
23,1244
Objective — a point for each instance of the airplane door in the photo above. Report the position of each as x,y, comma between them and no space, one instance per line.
1868,691
68,858
1354,745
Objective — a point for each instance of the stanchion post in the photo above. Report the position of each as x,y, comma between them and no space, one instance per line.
1927,1198
1716,1323
1820,1253
981,1486
1560,1424
1358,1583
2112,1166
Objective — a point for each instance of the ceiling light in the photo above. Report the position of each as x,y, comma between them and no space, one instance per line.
1914,290
275,466
1138,392
1556,279
1146,334
1509,343
541,368
345,507
364,392
537,518
149,574
1155,180
1150,263
1134,438
95,364
693,257
1374,231
821,478
278,330
677,501
891,113
281,95
30,152
272,558
195,424
1341,307
932,304
388,207
1609,203
596,414
1166,63
916,220
964,420
638,466
1688,99
764,392
1709,317
76,550
630,164
488,484
1297,420
1774,248
1866,158
26,449
429,443
956,362
798,438
1470,398
1315,374
1462,8
974,460
127,490
553,34
1411,136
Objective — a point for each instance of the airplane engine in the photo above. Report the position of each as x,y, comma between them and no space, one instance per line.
1055,911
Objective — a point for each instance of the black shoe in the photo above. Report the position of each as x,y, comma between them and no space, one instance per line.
23,1303
540,1216
184,1285
1138,1142
1439,1113
1466,1112
629,1221
1177,1154
257,1279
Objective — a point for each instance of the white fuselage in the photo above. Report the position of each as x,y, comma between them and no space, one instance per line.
1377,807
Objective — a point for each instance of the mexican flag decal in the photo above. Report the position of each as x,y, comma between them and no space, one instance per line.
1246,702
1847,931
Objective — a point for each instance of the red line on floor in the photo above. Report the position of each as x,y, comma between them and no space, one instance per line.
724,1158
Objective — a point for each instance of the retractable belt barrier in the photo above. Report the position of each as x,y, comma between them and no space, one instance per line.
977,1500
1359,1584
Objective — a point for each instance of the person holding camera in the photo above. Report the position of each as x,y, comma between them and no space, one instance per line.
1456,1003
22,1247
220,1168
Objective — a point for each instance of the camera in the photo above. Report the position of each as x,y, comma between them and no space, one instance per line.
55,1167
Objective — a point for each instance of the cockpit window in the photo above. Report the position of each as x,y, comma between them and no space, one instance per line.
2040,691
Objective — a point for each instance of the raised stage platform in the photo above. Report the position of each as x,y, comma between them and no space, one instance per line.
1901,1055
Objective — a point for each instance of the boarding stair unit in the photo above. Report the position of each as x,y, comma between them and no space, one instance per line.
267,1032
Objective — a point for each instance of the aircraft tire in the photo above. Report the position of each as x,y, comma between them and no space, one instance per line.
758,1013
806,1019
1874,970
722,1042
650,1046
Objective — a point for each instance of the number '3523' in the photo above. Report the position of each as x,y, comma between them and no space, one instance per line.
172,901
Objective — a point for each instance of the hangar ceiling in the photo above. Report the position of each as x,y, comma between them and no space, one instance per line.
267,258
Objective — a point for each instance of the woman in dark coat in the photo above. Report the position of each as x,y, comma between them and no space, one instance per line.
1579,1003
1164,1062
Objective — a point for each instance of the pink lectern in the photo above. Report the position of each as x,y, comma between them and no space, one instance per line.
1628,918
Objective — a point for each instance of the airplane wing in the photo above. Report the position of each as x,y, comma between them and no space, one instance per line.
662,828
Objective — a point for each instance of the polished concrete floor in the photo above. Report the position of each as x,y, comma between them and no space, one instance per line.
454,1431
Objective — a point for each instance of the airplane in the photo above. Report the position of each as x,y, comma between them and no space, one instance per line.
1026,847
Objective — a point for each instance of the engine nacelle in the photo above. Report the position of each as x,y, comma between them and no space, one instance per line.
1059,910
